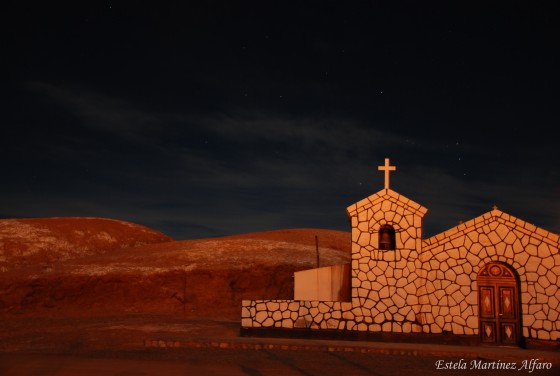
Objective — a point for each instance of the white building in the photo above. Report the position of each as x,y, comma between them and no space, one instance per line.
495,278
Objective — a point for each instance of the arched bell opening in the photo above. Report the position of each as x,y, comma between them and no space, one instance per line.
387,238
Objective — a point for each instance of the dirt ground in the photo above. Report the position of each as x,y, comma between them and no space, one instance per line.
33,346
119,333
86,295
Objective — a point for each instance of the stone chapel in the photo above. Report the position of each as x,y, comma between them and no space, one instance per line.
494,279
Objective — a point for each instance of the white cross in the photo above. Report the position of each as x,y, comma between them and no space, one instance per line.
387,170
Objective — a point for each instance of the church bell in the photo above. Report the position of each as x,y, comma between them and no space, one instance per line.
386,237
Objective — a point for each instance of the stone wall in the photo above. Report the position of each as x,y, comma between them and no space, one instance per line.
452,260
433,290
384,283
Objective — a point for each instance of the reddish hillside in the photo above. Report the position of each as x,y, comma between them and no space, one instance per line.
204,278
45,241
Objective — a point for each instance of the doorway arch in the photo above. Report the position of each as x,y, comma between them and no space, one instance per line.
499,305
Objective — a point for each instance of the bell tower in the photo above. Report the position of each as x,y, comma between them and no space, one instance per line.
386,244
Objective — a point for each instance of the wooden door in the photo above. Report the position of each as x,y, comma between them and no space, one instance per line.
498,301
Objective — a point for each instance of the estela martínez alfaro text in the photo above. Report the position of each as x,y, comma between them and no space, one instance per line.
528,365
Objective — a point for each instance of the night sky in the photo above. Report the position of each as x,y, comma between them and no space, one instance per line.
222,117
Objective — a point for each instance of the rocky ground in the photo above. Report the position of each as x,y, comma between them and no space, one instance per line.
96,283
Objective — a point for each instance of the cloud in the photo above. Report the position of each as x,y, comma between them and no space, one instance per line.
314,134
97,112
202,174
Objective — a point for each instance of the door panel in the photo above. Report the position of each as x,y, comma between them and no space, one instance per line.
509,334
488,332
487,302
498,306
507,302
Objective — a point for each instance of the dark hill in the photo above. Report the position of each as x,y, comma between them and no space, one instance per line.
114,270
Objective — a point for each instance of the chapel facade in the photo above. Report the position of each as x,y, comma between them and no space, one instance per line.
495,278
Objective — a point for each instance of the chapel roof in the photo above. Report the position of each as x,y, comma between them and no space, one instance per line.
388,195
493,219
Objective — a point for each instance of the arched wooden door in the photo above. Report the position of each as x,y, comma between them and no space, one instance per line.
498,302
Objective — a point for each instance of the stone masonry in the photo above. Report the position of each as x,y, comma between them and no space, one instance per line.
429,285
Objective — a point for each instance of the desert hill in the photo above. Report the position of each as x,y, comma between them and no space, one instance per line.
145,272
45,241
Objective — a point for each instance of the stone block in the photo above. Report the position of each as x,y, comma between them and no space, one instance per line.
463,280
391,309
485,240
364,267
373,295
450,275
246,322
434,264
293,306
532,264
360,277
554,303
472,322
459,320
434,328
364,239
384,292
407,327
411,300
454,311
314,311
361,327
457,329
261,316
363,227
362,216
300,323
272,306
287,324
455,253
